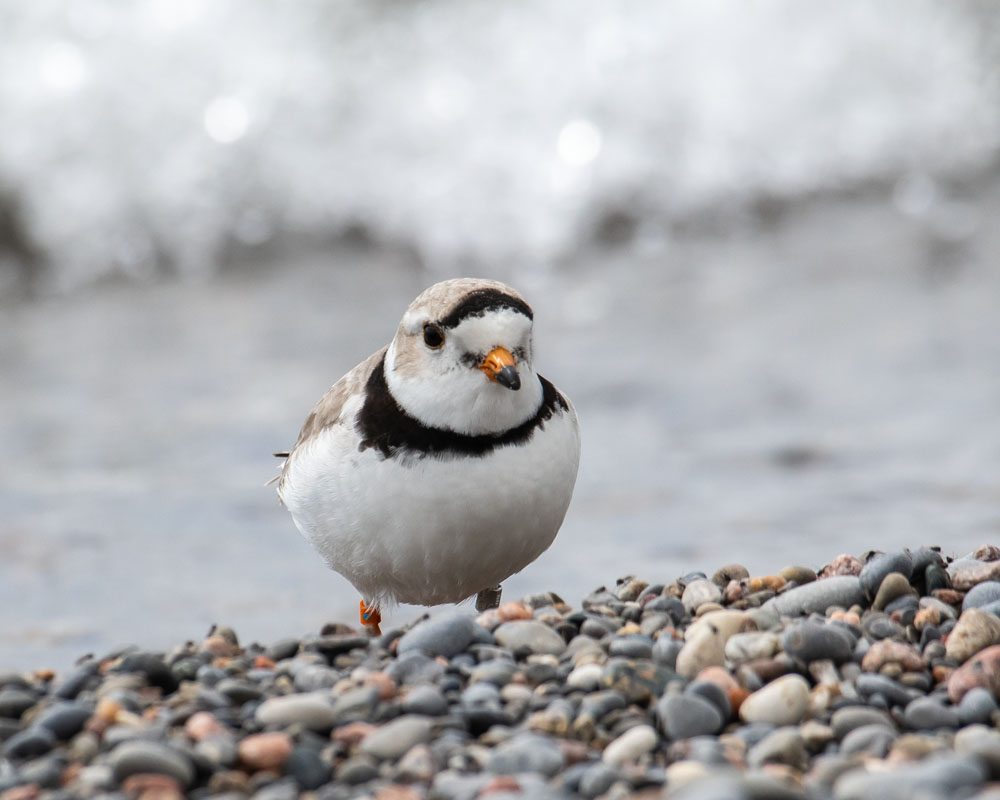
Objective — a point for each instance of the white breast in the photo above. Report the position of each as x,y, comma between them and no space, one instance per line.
429,530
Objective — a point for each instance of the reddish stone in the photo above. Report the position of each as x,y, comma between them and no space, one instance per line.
352,733
968,575
720,677
988,552
220,646
397,792
263,662
844,564
887,651
501,783
573,752
201,725
950,596
983,669
767,669
514,610
265,751
30,791
386,686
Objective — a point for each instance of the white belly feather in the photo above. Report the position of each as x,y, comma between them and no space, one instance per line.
429,530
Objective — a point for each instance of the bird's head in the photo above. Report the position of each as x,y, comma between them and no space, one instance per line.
461,358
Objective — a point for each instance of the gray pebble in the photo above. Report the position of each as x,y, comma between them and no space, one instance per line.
414,667
879,566
444,635
682,716
357,770
497,671
65,720
818,596
977,705
238,691
311,710
873,740
926,713
28,743
671,606
137,756
982,742
425,700
355,705
982,594
535,637
812,641
14,702
390,741
597,779
313,677
845,720
870,683
713,693
664,651
782,746
526,752
933,778
633,645
76,681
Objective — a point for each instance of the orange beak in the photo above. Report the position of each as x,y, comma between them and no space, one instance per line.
499,367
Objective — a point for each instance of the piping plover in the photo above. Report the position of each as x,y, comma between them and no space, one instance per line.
443,463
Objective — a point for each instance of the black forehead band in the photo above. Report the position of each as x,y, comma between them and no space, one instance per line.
480,302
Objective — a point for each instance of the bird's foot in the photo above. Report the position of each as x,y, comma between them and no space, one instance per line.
371,619
488,598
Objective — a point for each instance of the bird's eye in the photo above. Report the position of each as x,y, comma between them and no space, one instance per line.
433,336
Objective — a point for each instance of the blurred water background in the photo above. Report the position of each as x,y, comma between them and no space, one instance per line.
760,238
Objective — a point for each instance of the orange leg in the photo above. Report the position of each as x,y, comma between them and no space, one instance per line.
371,618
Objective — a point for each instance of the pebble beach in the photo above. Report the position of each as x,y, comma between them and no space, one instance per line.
873,676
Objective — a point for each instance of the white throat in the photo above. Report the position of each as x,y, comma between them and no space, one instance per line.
463,399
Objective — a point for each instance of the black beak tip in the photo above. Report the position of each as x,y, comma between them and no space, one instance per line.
509,378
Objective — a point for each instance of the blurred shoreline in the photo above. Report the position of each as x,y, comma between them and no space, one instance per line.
822,383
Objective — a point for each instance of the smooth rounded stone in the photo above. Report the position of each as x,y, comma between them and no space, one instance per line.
307,768
704,647
75,681
390,741
940,777
983,669
844,720
526,752
889,651
28,743
752,645
714,693
596,780
983,742
413,668
218,749
444,635
812,641
357,770
975,630
586,677
893,586
530,635
65,720
665,651
265,751
599,627
869,683
879,566
816,597
238,691
682,716
698,592
879,627
724,621
633,645
139,756
874,740
151,666
797,574
926,713
630,745
783,701
355,704
481,694
671,606
782,746
424,700
982,594
730,572
967,574
312,710
14,702
630,588
314,677
497,671
977,706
